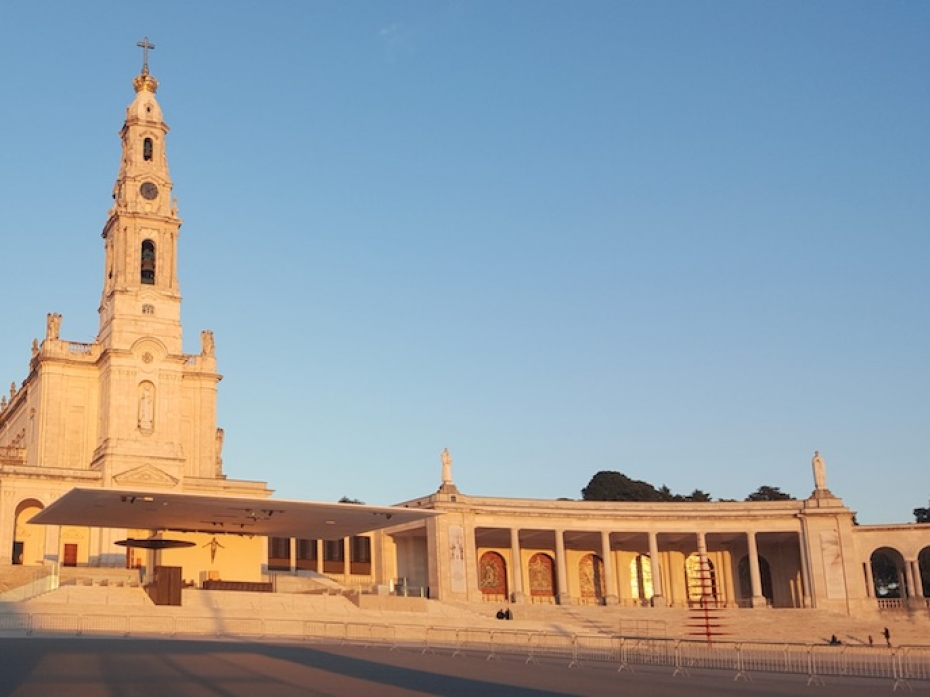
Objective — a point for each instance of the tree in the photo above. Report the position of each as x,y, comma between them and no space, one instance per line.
698,496
665,494
769,493
922,515
346,499
614,486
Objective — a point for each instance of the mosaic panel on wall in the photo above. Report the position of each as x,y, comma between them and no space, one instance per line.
492,574
591,576
542,575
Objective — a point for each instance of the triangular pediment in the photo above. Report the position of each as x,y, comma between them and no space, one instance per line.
147,475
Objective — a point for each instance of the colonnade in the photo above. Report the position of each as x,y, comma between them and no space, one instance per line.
737,542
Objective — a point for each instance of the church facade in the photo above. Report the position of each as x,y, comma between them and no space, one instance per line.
132,411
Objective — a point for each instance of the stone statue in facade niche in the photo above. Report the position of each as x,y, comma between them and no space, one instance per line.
206,343
820,472
220,435
146,408
52,325
446,466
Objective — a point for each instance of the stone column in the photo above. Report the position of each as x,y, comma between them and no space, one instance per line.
706,587
807,586
758,600
869,580
909,578
516,567
610,585
918,581
563,597
346,557
318,563
292,551
905,590
658,599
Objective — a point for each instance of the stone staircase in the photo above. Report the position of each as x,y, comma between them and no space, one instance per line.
308,582
762,625
100,576
86,596
284,605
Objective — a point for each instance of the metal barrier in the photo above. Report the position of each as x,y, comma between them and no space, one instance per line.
900,666
105,625
913,663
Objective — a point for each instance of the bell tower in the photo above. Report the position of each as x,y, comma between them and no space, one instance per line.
156,405
141,296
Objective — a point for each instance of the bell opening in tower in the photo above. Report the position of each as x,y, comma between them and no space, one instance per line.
148,263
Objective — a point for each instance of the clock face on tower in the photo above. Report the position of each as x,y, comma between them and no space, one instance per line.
148,190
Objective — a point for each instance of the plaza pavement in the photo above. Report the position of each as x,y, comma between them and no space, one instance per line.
106,667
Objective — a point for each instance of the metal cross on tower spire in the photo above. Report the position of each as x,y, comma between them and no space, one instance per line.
145,46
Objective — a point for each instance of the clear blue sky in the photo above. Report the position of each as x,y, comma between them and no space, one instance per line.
687,241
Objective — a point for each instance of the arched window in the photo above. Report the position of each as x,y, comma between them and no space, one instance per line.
147,149
148,263
888,573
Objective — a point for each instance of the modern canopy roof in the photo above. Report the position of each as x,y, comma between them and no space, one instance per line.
155,510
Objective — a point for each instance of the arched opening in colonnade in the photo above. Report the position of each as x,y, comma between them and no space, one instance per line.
888,574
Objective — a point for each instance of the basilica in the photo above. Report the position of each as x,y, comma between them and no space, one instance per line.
111,456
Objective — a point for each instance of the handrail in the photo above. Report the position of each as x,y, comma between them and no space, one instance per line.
44,579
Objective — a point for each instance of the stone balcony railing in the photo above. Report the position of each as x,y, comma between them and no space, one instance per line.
73,350
10,455
904,604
